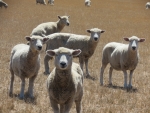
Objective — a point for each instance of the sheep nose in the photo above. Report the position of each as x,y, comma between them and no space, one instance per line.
95,38
63,64
133,48
39,47
67,24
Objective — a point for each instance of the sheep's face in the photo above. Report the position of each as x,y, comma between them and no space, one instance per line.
87,3
63,57
36,42
5,5
95,33
51,2
64,20
133,42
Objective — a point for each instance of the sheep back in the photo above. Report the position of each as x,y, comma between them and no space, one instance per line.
45,29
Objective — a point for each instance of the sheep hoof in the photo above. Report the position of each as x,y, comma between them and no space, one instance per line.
101,84
110,84
10,94
21,98
129,86
46,73
90,77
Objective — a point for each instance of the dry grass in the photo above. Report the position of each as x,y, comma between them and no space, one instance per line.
120,18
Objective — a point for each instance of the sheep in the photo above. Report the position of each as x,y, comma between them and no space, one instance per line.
73,41
88,3
48,28
25,63
51,2
65,83
122,57
147,5
2,3
41,2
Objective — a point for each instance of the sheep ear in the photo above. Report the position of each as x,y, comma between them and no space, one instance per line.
50,53
102,31
126,39
59,17
45,39
142,40
76,52
28,38
88,30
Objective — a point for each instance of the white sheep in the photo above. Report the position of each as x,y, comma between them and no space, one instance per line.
147,5
88,3
25,63
41,2
2,3
122,57
86,43
48,28
65,83
51,2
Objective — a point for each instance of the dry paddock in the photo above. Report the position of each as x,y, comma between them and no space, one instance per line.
120,18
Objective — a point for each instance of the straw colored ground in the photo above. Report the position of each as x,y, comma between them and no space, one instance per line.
120,18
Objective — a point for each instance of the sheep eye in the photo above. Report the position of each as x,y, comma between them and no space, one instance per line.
32,40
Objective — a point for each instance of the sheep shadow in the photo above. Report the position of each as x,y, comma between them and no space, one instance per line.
129,90
89,77
27,99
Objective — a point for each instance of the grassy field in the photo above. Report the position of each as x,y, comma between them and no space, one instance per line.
119,18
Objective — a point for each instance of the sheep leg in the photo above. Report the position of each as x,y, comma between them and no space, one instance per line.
68,106
11,83
130,79
81,62
46,60
31,84
102,72
86,66
22,88
54,105
125,78
62,108
78,106
110,75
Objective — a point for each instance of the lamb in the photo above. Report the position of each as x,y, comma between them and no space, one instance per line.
122,57
147,5
48,28
88,3
41,2
2,3
65,83
51,2
25,63
73,41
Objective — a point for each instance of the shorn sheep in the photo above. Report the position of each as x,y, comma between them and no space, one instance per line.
41,2
86,43
3,4
147,5
51,2
122,57
25,63
88,3
65,83
48,28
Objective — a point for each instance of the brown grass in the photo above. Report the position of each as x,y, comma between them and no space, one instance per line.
120,18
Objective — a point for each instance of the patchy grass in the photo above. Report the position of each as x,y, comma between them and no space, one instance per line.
120,18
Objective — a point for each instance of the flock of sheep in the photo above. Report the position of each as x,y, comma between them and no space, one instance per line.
87,2
65,81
